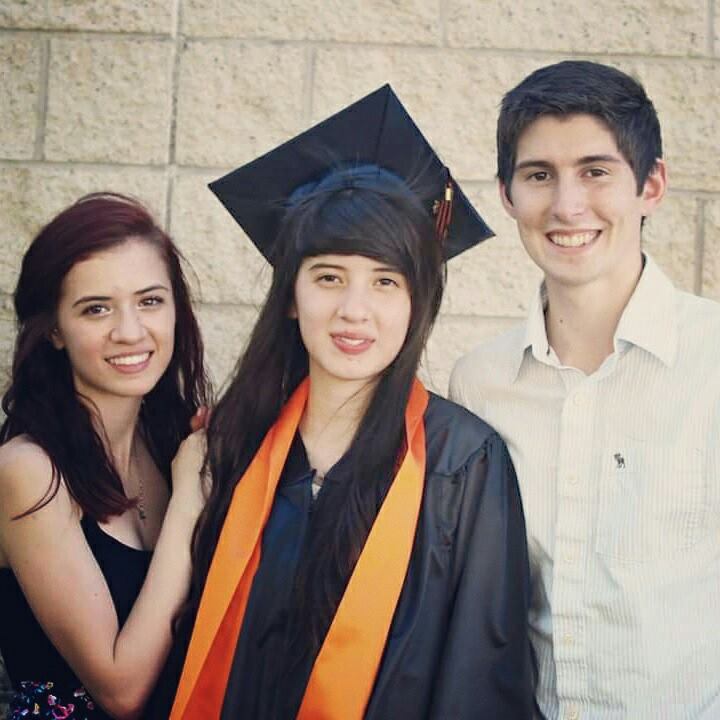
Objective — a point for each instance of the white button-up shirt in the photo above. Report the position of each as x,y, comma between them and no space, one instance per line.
620,478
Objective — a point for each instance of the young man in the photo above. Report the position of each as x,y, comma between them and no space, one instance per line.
609,399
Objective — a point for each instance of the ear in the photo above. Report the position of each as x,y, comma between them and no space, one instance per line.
292,311
505,199
56,339
654,189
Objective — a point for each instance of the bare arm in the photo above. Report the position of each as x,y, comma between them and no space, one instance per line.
66,589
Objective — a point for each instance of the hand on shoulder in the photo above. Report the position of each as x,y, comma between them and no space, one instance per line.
188,478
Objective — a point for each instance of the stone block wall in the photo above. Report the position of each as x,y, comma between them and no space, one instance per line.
156,97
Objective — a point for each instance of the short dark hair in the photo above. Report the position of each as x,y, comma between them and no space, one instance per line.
581,87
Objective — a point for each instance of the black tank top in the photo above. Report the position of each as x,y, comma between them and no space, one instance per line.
27,652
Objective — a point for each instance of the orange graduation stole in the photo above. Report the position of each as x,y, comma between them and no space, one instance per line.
344,672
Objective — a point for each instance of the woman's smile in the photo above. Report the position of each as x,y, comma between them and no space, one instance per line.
351,343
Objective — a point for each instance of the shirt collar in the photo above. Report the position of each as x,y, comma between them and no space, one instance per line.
650,318
535,336
648,321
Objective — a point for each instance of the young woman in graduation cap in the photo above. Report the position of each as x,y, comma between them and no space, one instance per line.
362,553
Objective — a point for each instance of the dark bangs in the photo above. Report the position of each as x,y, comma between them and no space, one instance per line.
359,211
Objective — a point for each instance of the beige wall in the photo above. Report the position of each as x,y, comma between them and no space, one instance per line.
156,97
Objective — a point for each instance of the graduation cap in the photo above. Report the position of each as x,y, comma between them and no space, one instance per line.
375,130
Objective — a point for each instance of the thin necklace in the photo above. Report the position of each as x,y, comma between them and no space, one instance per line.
140,504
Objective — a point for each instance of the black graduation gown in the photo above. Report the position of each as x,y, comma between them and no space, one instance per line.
458,645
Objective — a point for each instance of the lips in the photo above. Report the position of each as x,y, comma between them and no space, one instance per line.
352,344
573,239
130,363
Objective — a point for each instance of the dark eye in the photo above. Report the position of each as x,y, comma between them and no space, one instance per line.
597,172
539,176
152,301
328,279
95,310
388,282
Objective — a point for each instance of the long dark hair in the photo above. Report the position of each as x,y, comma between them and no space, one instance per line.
41,400
365,211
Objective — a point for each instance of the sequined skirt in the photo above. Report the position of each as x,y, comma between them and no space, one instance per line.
43,701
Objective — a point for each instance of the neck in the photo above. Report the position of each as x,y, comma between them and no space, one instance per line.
581,320
332,415
119,418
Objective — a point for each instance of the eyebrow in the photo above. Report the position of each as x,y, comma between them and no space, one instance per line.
324,266
585,160
106,298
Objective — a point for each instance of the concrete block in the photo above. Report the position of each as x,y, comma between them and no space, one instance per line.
453,97
678,27
229,269
711,256
236,102
453,337
669,236
685,96
109,101
22,14
374,21
139,16
7,344
20,83
32,196
225,330
486,200
496,278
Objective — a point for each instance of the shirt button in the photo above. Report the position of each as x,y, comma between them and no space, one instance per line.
572,479
573,712
578,400
567,639
568,556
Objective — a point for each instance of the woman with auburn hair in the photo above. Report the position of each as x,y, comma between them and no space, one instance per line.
94,539
362,553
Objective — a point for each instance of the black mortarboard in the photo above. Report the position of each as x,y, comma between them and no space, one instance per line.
376,130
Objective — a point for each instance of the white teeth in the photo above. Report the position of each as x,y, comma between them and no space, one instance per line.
129,359
351,341
576,240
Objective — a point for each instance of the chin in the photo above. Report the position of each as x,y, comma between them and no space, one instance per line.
138,389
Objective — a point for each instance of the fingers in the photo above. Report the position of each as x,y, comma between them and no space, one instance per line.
200,419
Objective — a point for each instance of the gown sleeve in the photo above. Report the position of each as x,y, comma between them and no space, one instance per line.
487,667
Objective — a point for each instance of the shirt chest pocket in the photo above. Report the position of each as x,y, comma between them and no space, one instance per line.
652,501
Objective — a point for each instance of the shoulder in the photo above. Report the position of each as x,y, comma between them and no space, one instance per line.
500,347
489,358
26,474
698,339
698,315
455,437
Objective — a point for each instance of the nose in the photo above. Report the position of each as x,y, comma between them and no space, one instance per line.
569,200
128,327
354,304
